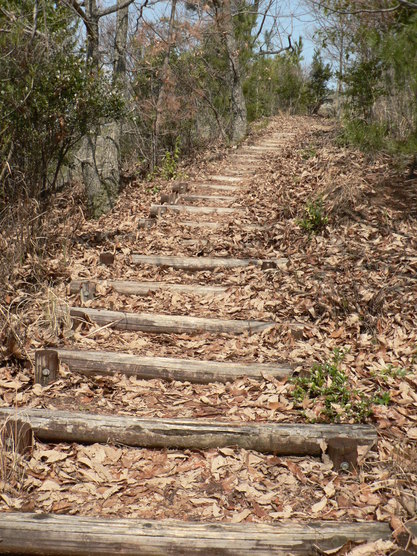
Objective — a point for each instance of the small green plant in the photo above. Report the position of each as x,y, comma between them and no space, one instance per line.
169,167
381,398
368,137
390,372
309,152
329,385
314,220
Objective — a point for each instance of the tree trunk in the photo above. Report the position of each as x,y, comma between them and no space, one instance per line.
238,104
100,153
164,84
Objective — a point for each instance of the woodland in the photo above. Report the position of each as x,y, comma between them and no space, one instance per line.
208,277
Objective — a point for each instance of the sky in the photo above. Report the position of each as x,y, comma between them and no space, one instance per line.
294,18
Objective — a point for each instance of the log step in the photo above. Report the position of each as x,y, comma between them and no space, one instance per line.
195,434
69,535
167,368
217,187
209,198
157,210
231,179
166,324
206,263
215,225
145,288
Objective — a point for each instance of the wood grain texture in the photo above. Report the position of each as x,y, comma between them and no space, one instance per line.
64,535
156,210
205,263
166,324
128,287
167,368
276,438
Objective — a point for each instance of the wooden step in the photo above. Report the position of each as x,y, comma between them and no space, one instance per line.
145,288
217,225
166,324
208,198
70,535
194,434
216,187
206,263
157,210
167,368
219,177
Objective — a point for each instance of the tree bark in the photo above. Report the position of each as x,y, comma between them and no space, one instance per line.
100,153
93,363
164,86
237,98
68,535
194,434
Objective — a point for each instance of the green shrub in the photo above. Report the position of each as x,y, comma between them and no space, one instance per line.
314,220
366,136
329,386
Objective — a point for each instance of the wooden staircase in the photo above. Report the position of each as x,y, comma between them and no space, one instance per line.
212,204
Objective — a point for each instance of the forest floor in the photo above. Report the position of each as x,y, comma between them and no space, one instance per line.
351,283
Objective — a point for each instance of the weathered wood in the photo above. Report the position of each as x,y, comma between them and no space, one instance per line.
205,263
217,187
144,223
145,288
215,225
107,258
231,179
168,198
46,366
16,436
87,290
213,198
180,187
166,324
281,439
166,368
158,210
69,535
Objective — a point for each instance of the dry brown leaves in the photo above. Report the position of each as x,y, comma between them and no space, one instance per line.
353,286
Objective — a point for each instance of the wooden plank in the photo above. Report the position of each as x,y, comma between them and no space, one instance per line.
46,366
157,210
167,324
231,179
215,225
69,535
278,438
127,287
208,198
167,368
217,187
205,263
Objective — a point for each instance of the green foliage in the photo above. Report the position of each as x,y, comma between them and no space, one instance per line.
367,136
316,88
274,83
48,97
168,169
169,166
328,385
314,220
381,84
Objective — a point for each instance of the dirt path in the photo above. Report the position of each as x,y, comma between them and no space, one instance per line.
203,307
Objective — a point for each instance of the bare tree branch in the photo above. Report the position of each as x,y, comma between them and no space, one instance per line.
406,3
114,8
279,51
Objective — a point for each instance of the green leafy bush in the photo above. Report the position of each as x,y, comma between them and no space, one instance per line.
314,220
328,385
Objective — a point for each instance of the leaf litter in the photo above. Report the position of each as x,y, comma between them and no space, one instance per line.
352,286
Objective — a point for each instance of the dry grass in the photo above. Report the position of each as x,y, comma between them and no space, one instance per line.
15,445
